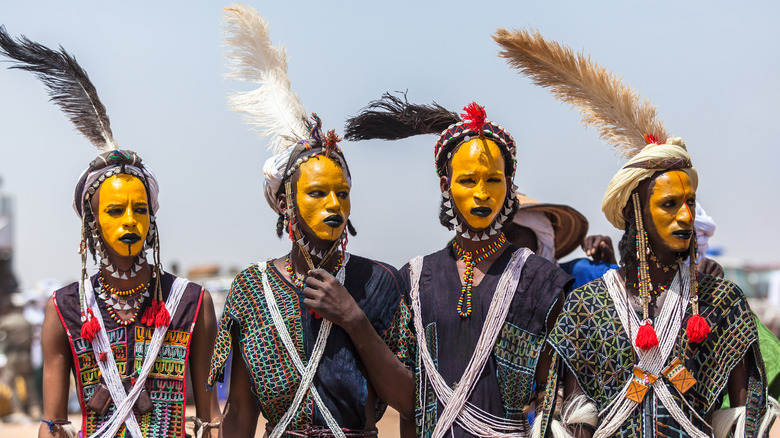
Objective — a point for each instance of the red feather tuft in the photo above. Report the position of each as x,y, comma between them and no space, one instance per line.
474,117
90,328
646,337
163,317
150,314
651,139
697,329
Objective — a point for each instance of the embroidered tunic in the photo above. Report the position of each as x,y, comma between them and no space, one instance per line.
507,380
591,342
378,290
166,383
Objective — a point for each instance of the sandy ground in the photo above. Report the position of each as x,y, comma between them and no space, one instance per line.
388,427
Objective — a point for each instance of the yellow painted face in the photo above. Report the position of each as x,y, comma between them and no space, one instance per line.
322,198
123,214
478,182
672,207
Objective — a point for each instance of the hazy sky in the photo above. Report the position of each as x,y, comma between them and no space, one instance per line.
711,67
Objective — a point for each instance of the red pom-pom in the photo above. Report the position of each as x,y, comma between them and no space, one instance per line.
132,381
474,117
163,318
103,356
645,336
90,327
150,315
697,329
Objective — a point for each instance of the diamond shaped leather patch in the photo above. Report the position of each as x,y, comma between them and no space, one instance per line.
679,376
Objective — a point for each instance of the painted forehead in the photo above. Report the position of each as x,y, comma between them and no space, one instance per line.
478,153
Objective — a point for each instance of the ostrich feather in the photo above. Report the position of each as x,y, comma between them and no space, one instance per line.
604,102
273,108
391,118
68,86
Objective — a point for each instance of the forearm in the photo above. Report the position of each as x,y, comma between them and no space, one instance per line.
202,345
56,373
391,380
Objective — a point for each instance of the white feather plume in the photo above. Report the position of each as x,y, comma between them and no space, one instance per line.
273,108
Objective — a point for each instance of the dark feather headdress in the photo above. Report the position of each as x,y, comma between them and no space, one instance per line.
70,88
391,118
68,85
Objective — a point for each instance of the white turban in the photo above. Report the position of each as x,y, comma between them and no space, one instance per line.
273,174
704,226
651,159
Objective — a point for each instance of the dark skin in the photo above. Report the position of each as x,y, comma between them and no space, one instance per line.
387,377
599,248
58,360
519,236
738,378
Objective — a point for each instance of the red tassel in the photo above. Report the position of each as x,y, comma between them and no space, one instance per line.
645,336
697,329
91,327
163,317
150,315
474,117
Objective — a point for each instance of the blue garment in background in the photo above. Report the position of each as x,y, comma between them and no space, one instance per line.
585,270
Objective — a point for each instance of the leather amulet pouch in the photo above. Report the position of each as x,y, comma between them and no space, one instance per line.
143,402
101,399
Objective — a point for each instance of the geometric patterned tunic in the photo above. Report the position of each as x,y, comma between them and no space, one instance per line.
505,386
378,290
590,340
166,383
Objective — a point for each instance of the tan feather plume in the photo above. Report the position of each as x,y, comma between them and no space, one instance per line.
604,101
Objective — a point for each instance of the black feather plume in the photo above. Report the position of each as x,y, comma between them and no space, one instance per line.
67,83
391,118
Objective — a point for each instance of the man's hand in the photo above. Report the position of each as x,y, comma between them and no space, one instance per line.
330,299
711,267
599,248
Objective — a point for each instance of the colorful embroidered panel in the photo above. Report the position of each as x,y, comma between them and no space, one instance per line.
516,352
165,384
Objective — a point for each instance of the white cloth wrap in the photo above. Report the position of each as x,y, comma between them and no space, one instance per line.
123,401
273,173
456,407
540,224
307,371
654,360
153,187
704,226
628,178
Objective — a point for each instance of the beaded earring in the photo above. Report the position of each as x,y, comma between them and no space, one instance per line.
646,338
697,328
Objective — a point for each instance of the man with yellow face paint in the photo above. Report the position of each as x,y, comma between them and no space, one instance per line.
131,333
321,337
650,349
481,305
